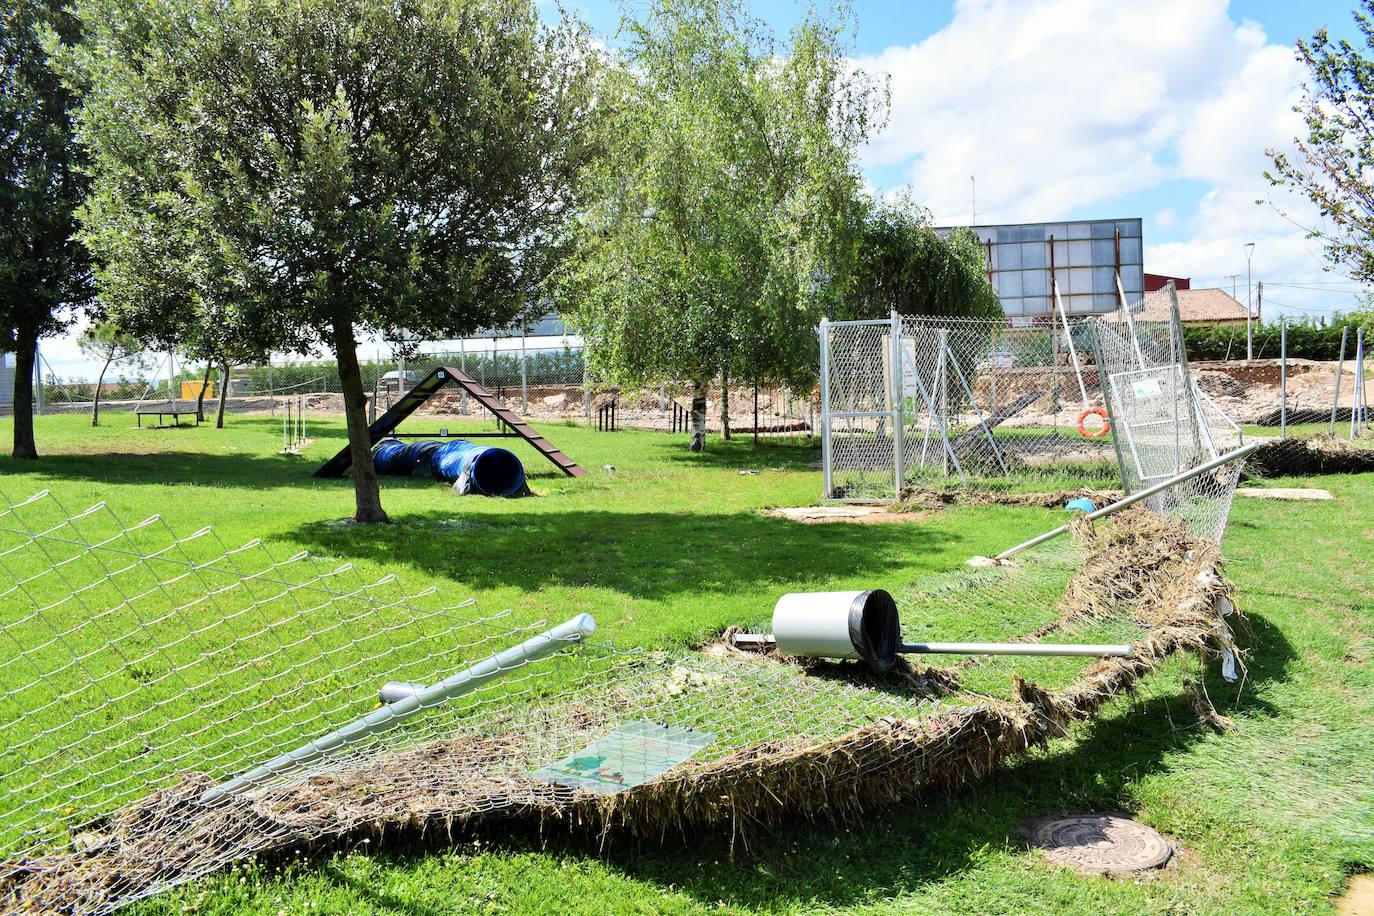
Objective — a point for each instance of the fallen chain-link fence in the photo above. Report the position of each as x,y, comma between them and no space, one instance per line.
171,705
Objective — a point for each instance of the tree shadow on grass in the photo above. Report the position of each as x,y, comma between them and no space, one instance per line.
909,846
172,467
790,454
640,554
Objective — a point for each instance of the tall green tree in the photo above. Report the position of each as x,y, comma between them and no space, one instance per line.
719,225
44,272
904,266
1334,165
313,172
108,341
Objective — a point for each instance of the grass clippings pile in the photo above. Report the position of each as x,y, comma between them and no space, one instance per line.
1138,567
1302,457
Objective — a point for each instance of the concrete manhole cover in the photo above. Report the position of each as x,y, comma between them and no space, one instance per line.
1101,843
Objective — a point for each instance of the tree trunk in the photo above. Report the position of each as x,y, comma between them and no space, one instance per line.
366,494
200,396
223,393
725,406
698,440
99,384
23,398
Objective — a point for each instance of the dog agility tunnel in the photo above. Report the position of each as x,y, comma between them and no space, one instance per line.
476,468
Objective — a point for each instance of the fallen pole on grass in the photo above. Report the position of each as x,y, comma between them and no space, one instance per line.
1134,498
489,669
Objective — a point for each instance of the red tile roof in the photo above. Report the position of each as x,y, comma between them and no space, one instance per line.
1194,305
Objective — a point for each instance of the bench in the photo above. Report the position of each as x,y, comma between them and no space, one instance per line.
174,412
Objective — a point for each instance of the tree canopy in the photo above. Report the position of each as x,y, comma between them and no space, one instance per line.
307,172
719,226
44,272
904,266
1334,166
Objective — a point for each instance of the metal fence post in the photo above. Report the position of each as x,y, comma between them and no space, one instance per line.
1283,378
463,364
524,379
826,470
37,380
586,389
1340,370
1357,402
898,426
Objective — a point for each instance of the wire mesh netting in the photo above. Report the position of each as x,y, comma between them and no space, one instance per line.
973,398
148,669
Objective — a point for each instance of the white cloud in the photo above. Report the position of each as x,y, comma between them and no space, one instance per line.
1061,106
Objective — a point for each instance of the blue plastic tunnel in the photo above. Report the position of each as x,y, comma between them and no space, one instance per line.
476,468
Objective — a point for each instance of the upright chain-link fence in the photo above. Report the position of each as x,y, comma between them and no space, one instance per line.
972,398
540,382
913,402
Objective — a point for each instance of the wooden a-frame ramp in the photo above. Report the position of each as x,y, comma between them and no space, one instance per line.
512,424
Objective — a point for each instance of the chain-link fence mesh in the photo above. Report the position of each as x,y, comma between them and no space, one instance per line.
148,669
973,398
539,382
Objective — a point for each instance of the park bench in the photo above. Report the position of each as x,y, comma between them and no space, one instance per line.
175,411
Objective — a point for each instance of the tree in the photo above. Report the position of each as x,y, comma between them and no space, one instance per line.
905,267
44,271
321,170
718,225
105,340
1334,166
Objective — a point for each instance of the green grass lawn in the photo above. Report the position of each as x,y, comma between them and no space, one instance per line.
669,548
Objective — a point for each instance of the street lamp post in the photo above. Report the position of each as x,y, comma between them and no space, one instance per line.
1249,331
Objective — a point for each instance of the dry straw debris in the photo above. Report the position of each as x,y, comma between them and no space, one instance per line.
816,741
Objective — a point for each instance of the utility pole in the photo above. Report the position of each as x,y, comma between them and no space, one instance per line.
1259,298
973,199
1249,330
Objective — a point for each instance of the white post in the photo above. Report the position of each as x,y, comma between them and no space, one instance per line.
524,381
38,378
828,485
1073,351
463,364
1130,322
537,647
1357,402
898,426
1340,370
1283,378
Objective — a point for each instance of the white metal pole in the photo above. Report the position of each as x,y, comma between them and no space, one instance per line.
489,669
828,477
1120,650
1249,331
1283,378
524,380
1130,321
1340,370
1136,497
38,378
895,384
1357,402
1073,351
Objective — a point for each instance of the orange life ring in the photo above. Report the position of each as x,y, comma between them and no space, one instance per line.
1101,431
